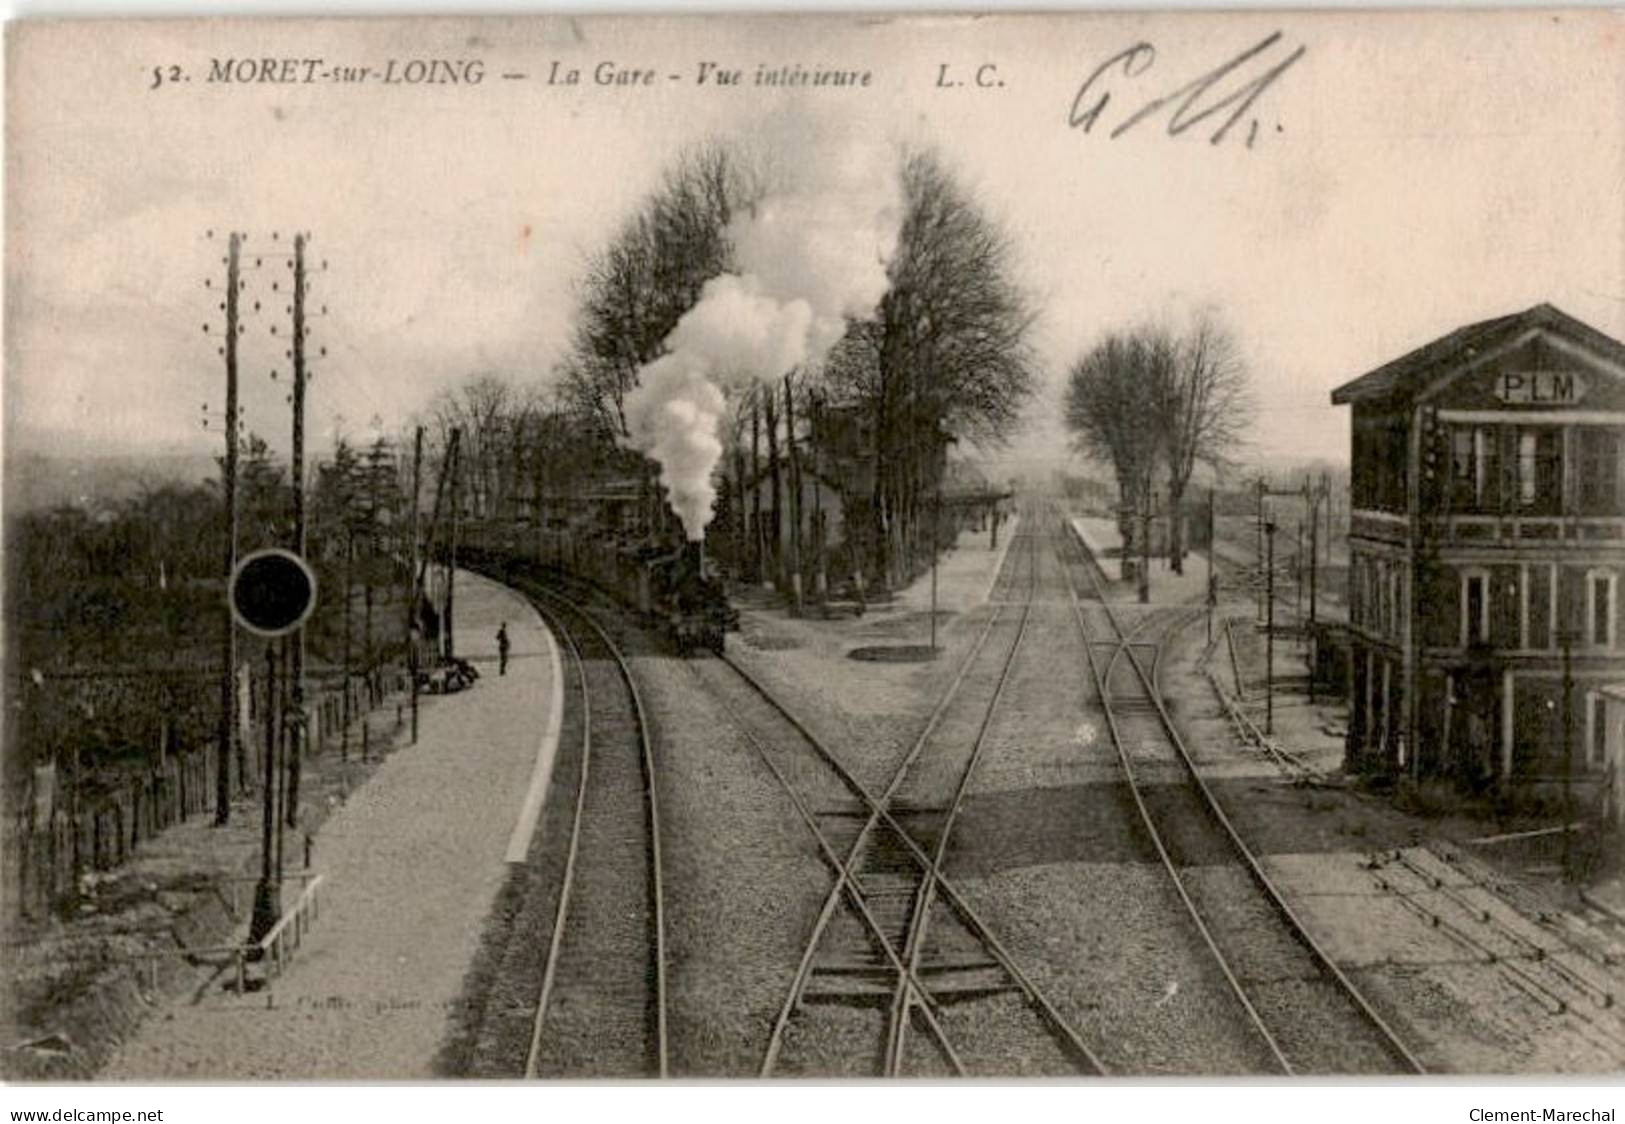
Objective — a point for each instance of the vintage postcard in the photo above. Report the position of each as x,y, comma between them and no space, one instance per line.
788,546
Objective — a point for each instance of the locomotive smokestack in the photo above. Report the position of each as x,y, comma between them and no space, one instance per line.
695,556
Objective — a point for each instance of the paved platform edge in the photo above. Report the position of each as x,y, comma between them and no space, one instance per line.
530,813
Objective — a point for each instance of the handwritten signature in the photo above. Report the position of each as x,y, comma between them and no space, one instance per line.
1203,98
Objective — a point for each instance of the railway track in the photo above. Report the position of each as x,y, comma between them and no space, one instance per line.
1307,1014
601,1010
894,933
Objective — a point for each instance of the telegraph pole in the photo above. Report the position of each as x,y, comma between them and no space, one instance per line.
1314,639
795,500
1212,577
267,893
1145,545
412,597
1269,632
451,565
228,646
936,532
1297,576
1263,490
297,467
1568,753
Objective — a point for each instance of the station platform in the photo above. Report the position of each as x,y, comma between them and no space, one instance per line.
411,866
1101,536
965,575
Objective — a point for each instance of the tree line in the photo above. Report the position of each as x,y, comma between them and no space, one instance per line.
1152,402
116,610
945,360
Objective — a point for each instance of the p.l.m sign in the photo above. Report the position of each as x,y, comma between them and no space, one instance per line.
1539,388
272,592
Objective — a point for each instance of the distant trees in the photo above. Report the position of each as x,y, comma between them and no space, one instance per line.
1151,398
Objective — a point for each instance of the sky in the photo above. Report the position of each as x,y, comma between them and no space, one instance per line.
1409,173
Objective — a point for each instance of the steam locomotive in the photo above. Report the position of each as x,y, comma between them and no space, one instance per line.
664,582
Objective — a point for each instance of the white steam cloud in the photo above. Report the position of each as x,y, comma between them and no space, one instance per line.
812,254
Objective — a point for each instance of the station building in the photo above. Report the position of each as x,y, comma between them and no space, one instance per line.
1487,546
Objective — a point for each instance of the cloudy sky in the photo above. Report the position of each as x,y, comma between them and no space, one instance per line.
1407,173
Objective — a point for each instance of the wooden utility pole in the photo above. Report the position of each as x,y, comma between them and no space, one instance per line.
297,467
1314,639
1269,631
1567,641
374,462
349,565
1263,490
451,564
936,533
1212,576
816,434
795,493
1145,545
1297,576
412,624
776,518
758,550
228,645
267,892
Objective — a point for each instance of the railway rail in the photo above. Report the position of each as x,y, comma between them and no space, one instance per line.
1307,1013
601,1010
907,940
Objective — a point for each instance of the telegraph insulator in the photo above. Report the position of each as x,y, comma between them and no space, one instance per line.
324,352
208,282
273,329
205,327
256,306
257,263
273,286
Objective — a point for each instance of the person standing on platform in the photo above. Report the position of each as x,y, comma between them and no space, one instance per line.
502,649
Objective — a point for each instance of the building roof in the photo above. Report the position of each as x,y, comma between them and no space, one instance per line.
1615,691
1412,371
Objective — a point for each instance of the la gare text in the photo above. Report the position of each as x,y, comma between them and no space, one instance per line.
268,70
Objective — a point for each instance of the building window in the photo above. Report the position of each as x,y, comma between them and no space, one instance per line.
1542,579
1466,489
1540,470
1475,608
1396,601
1600,593
1599,470
1597,729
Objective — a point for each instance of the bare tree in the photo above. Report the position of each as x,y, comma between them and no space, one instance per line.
1203,407
1146,398
1111,403
638,287
945,358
